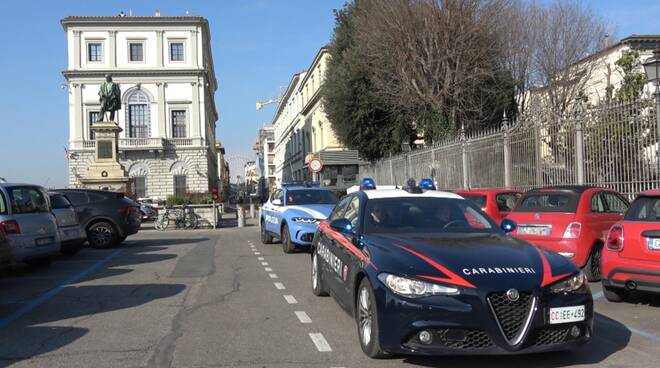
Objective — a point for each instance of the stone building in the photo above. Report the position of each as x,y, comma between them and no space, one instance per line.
164,67
265,150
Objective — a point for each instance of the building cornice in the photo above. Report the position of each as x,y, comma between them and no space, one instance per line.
287,94
313,102
130,20
100,73
315,62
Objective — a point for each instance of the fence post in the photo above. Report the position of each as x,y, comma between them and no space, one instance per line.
537,153
465,158
579,144
507,153
656,94
391,171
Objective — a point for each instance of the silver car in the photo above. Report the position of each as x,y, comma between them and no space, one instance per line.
27,221
72,235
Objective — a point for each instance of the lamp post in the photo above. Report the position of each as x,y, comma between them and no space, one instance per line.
652,70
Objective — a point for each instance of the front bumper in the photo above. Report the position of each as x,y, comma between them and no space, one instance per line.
302,233
465,324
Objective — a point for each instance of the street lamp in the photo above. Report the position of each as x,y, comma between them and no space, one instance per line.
652,70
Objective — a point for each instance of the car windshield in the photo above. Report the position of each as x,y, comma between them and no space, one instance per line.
59,202
27,200
310,196
548,202
644,209
478,199
424,214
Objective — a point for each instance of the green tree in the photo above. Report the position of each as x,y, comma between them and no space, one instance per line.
634,80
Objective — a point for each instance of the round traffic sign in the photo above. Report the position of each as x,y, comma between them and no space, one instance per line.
315,165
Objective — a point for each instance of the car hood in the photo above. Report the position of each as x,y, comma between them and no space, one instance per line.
483,261
317,211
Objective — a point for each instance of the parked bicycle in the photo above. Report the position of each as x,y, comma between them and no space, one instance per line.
183,218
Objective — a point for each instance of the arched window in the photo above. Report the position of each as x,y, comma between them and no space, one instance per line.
138,115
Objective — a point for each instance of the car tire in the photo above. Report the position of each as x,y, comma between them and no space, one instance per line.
592,268
615,295
287,245
39,262
102,235
317,279
366,317
266,238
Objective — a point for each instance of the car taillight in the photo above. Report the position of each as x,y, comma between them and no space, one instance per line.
614,240
573,230
10,227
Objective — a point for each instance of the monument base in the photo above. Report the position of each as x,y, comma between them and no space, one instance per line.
106,172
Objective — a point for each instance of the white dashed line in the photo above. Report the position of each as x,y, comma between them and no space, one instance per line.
257,253
279,286
268,269
261,258
264,263
273,276
303,317
290,299
320,342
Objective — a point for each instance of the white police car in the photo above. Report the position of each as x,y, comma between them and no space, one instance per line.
293,212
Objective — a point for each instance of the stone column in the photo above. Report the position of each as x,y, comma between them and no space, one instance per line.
76,50
112,49
78,122
193,40
195,122
162,110
159,48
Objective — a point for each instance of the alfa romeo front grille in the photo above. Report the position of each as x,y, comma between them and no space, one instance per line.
551,336
470,339
513,317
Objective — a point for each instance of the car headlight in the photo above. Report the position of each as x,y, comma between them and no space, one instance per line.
305,220
570,284
413,288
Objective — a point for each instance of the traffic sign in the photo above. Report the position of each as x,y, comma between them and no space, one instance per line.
315,165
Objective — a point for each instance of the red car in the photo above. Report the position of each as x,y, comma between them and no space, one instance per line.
497,203
631,259
570,220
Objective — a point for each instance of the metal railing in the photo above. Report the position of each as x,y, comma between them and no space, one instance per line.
614,145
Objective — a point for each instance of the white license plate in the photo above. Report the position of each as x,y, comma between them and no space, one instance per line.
566,314
534,230
653,244
43,241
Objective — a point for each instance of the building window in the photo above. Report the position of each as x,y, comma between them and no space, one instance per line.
93,116
136,51
138,119
179,185
94,52
176,51
178,123
140,184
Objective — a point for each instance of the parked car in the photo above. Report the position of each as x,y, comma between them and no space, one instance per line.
27,221
497,203
570,220
631,258
5,251
72,236
148,213
107,217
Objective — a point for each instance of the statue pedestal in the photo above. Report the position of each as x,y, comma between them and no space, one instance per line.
106,172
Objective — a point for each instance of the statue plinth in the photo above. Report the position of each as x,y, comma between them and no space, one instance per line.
106,172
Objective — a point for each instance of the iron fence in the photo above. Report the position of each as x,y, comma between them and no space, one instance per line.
613,145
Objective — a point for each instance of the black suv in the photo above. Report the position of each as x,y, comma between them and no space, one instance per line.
107,217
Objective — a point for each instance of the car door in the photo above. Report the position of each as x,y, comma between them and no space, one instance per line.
347,251
615,207
597,220
327,249
80,203
268,211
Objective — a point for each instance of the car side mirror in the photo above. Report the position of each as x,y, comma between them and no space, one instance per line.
343,226
508,225
277,202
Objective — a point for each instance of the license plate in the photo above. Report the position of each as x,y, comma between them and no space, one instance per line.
653,244
43,241
566,314
534,230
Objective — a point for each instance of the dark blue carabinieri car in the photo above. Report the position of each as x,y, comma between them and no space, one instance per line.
427,272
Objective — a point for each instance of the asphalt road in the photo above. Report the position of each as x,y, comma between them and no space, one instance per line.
222,299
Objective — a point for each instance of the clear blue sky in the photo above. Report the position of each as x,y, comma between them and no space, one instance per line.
257,46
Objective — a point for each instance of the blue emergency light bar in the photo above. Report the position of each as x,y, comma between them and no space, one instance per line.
427,184
368,183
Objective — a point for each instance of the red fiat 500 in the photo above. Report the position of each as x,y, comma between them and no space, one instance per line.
497,203
570,220
631,259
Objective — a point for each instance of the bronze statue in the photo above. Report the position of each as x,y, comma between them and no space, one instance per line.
110,98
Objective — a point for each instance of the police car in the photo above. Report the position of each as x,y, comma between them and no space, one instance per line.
427,272
293,212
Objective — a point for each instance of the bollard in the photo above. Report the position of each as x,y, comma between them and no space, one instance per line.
241,216
251,210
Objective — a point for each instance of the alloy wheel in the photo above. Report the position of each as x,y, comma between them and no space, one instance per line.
365,316
315,272
102,236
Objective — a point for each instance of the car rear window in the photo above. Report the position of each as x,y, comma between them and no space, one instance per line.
27,200
59,202
506,201
3,204
478,199
548,202
644,209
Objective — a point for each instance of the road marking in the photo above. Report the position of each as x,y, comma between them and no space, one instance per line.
264,263
268,269
261,258
273,275
257,253
320,342
46,296
290,299
279,286
648,335
597,295
303,317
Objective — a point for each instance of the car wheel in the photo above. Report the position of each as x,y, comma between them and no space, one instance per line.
101,235
615,295
287,245
317,279
39,262
367,320
592,268
266,238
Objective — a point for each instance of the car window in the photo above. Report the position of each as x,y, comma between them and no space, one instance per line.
597,203
352,213
340,208
615,203
506,201
310,196
644,209
3,204
419,215
27,200
275,195
280,196
77,198
553,201
59,202
478,199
